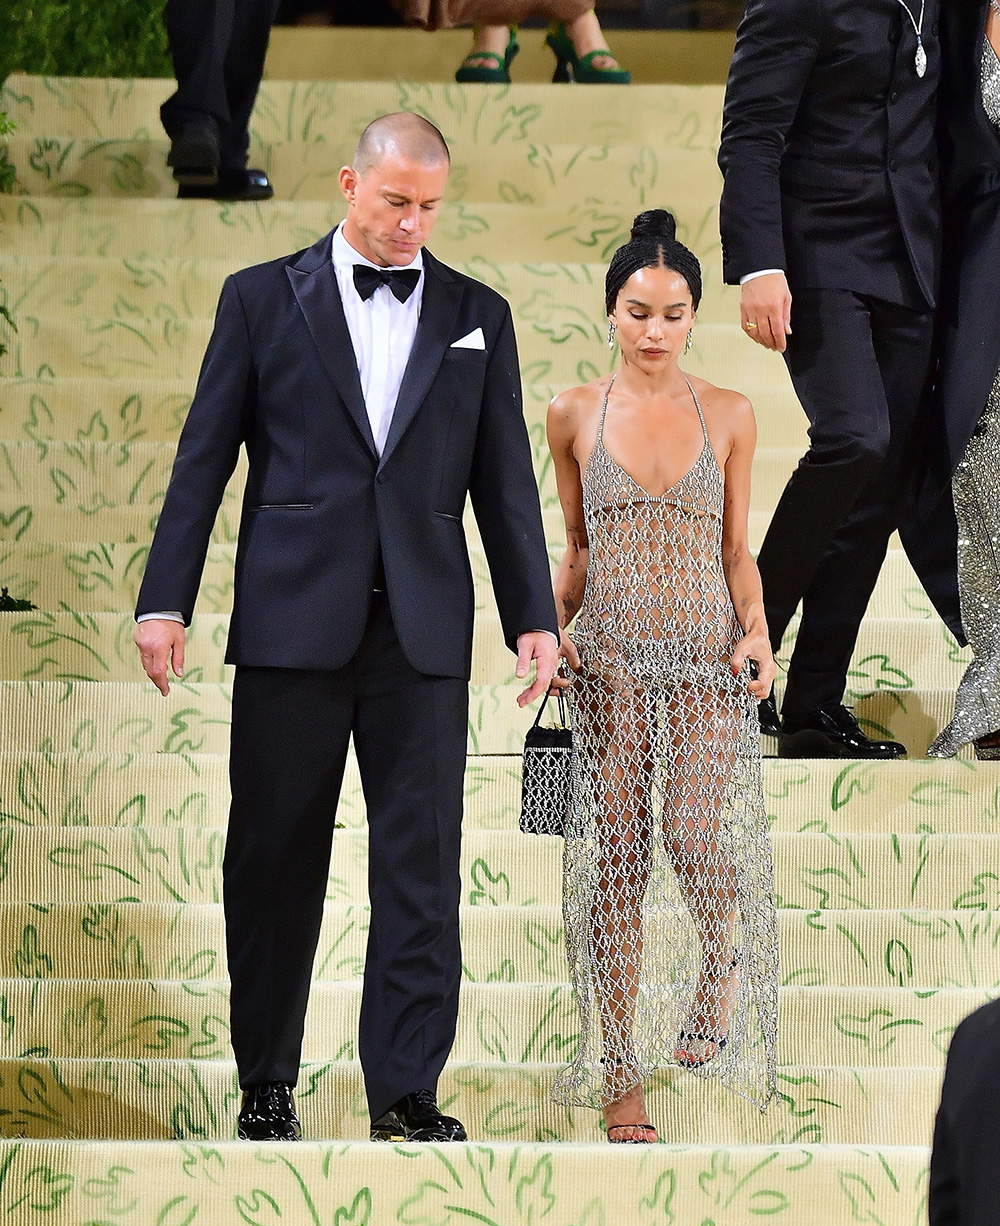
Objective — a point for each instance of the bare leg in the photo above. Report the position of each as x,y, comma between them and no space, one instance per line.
700,766
621,792
489,39
586,36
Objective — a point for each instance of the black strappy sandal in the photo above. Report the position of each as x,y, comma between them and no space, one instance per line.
719,1041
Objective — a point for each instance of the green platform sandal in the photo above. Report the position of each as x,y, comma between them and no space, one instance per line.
483,74
571,67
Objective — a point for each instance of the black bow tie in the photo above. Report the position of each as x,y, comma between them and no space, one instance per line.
401,281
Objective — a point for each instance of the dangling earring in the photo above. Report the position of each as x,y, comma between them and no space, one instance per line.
690,341
612,329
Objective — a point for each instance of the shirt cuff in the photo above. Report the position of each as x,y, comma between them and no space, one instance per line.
548,632
163,617
764,272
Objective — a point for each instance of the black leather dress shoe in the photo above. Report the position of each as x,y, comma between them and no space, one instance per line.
230,185
832,732
416,1118
767,711
194,156
268,1114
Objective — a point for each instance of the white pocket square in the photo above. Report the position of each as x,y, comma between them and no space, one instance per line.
474,340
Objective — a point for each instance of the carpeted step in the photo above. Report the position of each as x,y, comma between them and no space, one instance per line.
626,175
136,1019
850,948
322,112
122,717
81,409
143,1100
170,347
232,1183
100,577
192,790
895,655
196,229
107,286
812,871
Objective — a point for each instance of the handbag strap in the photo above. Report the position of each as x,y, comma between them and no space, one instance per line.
562,709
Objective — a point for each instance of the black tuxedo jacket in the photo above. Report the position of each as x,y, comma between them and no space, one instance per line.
970,146
828,148
280,378
965,1163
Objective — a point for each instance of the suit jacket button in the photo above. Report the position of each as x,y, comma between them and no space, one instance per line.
893,97
380,479
893,165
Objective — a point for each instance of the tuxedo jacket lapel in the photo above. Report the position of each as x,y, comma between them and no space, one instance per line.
314,284
438,310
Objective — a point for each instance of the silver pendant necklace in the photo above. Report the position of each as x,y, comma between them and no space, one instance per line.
918,27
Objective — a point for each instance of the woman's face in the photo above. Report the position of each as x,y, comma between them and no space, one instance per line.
654,313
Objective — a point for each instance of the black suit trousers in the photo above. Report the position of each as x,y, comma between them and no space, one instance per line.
218,49
859,366
290,735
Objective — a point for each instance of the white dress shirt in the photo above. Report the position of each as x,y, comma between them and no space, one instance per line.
382,331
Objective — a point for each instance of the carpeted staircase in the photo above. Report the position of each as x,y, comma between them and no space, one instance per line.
117,1089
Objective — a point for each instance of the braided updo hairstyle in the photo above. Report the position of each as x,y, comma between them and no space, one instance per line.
653,242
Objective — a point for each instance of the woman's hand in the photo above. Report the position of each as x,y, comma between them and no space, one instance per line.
569,653
756,647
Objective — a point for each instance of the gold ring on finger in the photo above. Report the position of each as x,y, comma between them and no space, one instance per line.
749,326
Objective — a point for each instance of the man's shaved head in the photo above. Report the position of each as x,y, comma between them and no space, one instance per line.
402,135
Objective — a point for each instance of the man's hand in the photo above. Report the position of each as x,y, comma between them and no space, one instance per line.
161,643
766,310
541,647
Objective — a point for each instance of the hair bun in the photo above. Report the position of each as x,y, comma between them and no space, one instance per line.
655,223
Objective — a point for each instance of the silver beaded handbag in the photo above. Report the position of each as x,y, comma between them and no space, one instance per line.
546,778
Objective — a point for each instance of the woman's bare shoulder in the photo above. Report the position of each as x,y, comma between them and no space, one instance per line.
570,404
722,402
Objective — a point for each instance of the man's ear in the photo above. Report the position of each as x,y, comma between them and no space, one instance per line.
348,180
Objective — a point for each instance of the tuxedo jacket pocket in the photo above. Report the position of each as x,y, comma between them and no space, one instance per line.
466,355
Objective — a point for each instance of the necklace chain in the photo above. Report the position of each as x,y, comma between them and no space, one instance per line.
918,28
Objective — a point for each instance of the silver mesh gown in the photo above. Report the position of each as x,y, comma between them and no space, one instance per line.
668,892
976,490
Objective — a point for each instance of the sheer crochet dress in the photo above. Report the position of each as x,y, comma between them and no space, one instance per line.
668,884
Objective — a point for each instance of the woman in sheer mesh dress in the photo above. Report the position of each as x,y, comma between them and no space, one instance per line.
668,884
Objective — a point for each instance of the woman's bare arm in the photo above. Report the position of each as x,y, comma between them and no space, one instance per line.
571,576
740,568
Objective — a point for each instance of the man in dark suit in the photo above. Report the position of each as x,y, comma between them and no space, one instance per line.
218,49
965,1160
373,389
830,222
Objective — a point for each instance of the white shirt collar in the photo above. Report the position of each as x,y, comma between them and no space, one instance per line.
345,256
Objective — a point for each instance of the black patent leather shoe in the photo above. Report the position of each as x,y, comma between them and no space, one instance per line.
832,732
767,711
416,1118
268,1114
194,156
230,185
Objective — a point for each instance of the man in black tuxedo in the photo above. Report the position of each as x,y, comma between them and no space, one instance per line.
830,222
965,1160
373,389
218,49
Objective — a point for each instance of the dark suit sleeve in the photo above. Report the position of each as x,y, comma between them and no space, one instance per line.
944,1191
209,446
505,499
776,47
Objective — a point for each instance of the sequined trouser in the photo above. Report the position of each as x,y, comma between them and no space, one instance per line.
976,489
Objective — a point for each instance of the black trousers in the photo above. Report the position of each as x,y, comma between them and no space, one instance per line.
860,368
218,48
290,735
